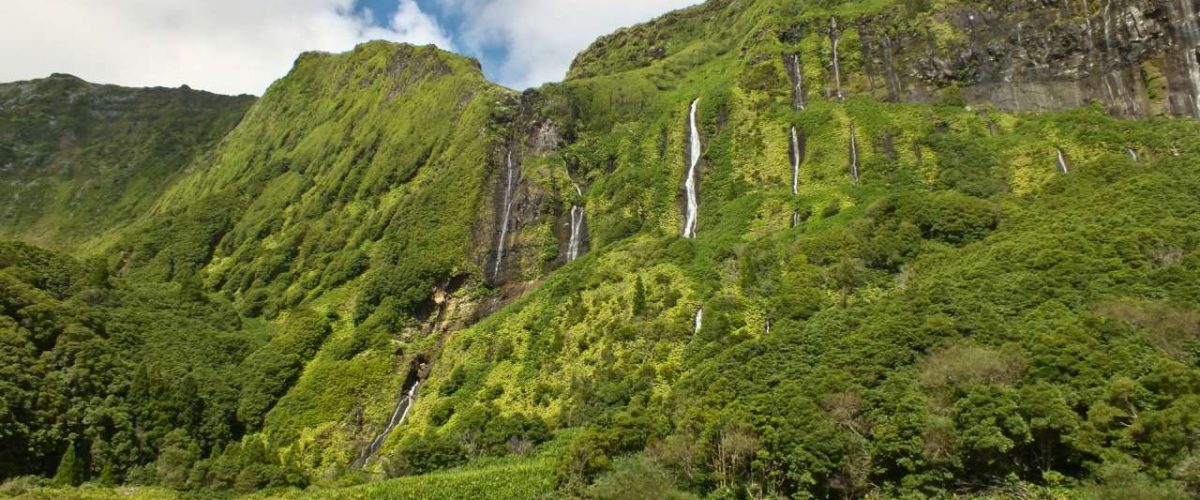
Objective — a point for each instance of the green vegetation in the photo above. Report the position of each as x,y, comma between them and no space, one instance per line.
80,159
964,322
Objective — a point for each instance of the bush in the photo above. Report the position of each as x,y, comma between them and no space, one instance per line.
635,478
424,453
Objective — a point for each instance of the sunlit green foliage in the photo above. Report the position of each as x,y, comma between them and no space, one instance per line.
961,320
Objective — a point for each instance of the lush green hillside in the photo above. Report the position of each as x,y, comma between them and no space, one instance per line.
77,159
391,268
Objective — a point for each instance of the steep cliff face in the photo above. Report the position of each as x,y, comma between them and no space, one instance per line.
1137,58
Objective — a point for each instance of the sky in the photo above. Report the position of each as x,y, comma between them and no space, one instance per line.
241,46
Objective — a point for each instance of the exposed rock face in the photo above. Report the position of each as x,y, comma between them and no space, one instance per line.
1183,60
1135,57
535,212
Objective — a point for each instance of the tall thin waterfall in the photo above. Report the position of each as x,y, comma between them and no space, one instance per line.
795,162
835,37
1132,154
1062,163
696,321
399,415
853,153
796,72
795,219
576,229
693,204
509,185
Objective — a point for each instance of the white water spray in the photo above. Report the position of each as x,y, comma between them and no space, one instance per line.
1132,154
693,204
576,229
508,195
795,162
1062,163
798,101
399,415
853,152
696,321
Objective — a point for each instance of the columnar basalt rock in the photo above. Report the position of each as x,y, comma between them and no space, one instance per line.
1136,58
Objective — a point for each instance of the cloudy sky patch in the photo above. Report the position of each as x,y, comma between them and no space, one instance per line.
241,46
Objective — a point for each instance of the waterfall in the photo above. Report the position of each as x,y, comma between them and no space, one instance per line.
836,38
795,162
1062,163
1132,154
693,205
696,321
412,397
509,185
399,415
576,229
853,153
795,219
796,72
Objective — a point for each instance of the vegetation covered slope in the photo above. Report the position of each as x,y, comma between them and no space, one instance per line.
953,299
77,159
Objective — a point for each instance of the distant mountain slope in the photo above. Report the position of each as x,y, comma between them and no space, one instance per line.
77,159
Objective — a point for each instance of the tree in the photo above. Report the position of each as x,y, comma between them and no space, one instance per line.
639,296
71,469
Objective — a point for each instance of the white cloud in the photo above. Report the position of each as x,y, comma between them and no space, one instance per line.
227,46
543,36
241,46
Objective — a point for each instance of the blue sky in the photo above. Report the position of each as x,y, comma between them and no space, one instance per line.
242,46
523,43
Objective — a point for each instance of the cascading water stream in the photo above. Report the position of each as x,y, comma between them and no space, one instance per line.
1132,154
696,321
399,415
836,38
853,153
693,204
795,162
1062,163
576,229
796,71
509,185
